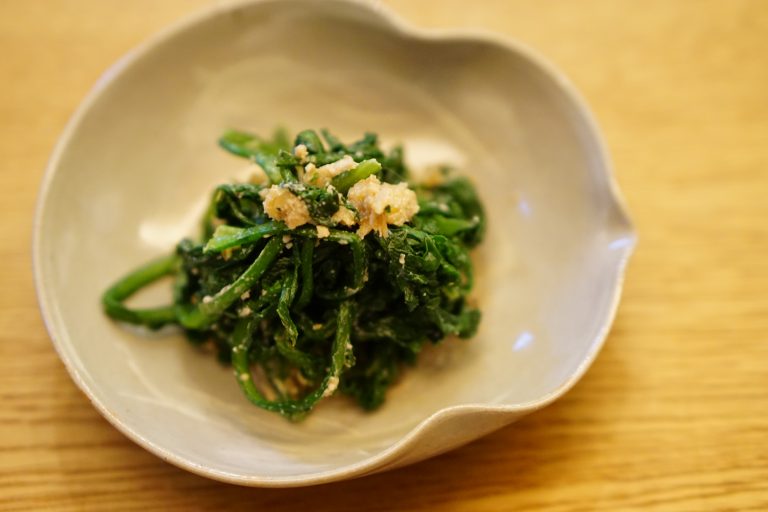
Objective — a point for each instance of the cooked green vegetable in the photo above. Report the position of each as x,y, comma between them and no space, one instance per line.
328,273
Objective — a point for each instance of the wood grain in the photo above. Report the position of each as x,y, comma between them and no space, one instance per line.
674,413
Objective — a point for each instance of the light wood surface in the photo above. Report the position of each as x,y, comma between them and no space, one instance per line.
674,413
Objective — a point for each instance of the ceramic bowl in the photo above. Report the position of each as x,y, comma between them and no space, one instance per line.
136,163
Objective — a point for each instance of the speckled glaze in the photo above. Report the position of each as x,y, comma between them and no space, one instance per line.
133,170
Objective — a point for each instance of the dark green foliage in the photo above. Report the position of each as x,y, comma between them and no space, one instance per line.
321,202
316,313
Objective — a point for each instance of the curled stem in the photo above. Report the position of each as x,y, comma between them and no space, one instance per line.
154,318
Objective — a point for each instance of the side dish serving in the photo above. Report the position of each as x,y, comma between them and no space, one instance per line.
326,272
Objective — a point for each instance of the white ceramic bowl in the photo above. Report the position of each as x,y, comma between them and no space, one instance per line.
135,165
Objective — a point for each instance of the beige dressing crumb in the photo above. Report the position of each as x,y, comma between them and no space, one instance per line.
283,205
321,176
344,216
333,383
223,290
379,204
301,153
323,232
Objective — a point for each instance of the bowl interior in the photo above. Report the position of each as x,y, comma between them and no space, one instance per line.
135,172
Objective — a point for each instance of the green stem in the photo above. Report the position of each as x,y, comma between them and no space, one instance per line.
310,139
206,224
307,252
269,164
334,143
359,260
293,409
344,181
287,295
154,318
206,312
252,147
294,355
226,237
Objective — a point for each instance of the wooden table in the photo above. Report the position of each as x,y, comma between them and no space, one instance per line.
674,413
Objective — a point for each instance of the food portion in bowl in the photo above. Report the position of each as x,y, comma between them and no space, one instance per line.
326,272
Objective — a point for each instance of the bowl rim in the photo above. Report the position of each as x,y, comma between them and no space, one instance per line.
401,28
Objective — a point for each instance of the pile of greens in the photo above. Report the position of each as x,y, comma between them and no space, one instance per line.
307,315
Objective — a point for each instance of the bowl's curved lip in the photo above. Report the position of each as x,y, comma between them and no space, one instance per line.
377,461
